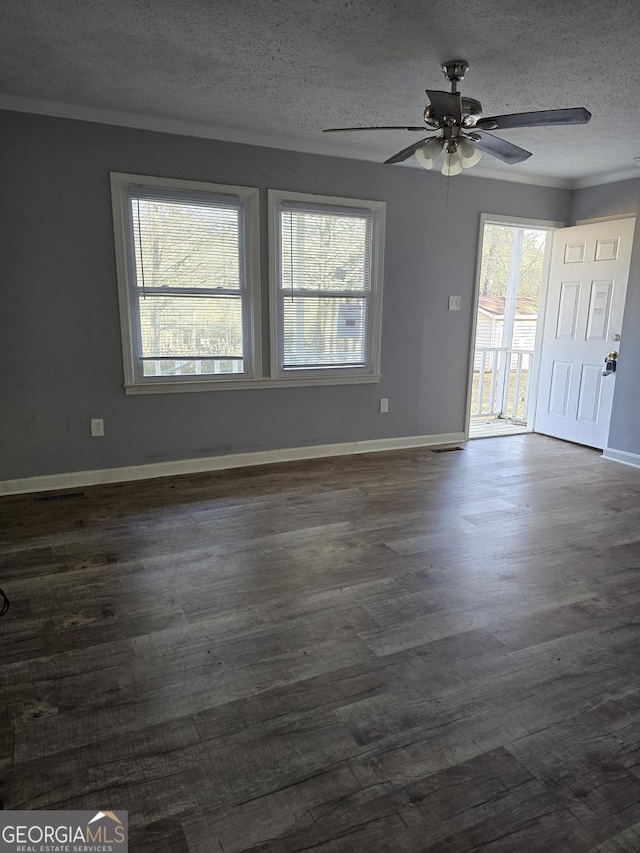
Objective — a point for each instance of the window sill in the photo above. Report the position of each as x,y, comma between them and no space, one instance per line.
245,384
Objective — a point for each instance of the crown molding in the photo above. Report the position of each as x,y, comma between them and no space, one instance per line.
302,146
608,178
519,177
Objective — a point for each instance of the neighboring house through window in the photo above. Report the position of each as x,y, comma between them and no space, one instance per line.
326,286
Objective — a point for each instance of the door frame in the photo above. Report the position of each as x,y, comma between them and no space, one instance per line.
517,222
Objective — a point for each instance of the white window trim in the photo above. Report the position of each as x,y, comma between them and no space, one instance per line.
330,376
250,198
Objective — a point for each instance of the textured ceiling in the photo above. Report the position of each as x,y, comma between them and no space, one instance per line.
276,72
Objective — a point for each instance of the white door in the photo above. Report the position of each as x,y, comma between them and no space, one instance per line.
585,301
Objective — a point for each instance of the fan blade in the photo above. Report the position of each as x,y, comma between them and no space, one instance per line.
382,127
407,152
500,148
445,104
577,115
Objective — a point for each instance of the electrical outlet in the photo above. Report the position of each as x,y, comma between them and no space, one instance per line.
454,303
97,427
384,404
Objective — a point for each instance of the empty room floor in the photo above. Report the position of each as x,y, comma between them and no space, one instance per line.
406,651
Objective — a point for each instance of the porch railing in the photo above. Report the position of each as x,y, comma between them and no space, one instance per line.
501,383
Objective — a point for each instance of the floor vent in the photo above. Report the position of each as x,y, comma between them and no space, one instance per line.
447,449
46,498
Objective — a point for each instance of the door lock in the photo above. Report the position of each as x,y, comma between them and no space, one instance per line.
610,362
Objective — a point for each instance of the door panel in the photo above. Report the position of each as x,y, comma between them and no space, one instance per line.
599,309
568,310
560,382
585,302
589,397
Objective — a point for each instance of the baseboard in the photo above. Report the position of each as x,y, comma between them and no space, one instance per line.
76,479
623,456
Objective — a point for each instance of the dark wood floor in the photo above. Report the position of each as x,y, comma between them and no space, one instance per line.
409,651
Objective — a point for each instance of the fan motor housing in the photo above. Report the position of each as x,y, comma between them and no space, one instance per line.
471,112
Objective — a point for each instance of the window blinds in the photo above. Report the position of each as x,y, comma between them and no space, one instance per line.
189,291
325,286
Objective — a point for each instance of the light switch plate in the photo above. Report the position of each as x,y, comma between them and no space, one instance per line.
454,303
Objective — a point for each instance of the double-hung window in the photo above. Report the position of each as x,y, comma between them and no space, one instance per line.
188,272
326,287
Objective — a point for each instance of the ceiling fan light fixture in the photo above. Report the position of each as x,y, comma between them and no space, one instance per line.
452,164
469,154
429,153
458,120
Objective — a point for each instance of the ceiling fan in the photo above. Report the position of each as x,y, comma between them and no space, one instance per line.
461,130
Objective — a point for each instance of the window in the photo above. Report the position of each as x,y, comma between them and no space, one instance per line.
188,266
188,272
326,286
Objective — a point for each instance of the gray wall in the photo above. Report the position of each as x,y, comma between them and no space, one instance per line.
60,333
608,200
604,200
